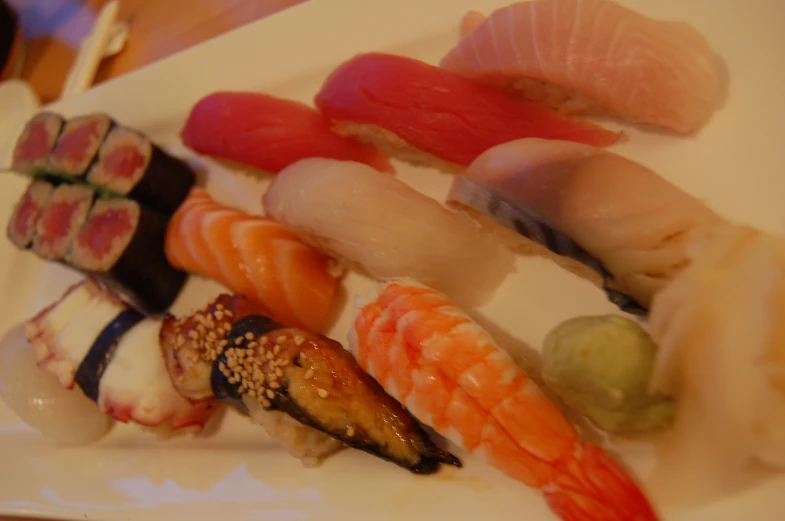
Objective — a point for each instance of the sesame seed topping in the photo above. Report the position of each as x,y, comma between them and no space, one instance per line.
218,315
228,313
227,326
252,345
274,385
219,307
280,340
265,402
211,336
277,350
249,336
322,393
283,362
270,355
223,343
350,431
278,372
238,340
193,335
270,394
298,340
263,340
180,340
308,374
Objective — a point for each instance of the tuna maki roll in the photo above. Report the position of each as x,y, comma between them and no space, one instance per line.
78,145
61,220
27,212
129,164
36,142
122,245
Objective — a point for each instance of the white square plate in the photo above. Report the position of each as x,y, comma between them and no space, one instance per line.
736,164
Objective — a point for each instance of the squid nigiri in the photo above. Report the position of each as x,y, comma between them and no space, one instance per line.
387,228
602,216
255,257
426,115
452,376
593,57
269,133
722,355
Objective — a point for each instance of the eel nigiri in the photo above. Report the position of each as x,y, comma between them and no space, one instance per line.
379,223
427,115
450,373
269,133
593,57
722,355
597,214
305,389
91,338
255,257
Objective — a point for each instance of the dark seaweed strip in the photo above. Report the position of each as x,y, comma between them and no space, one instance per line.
166,183
227,392
142,274
88,375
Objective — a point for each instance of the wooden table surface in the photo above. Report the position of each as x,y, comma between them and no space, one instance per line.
158,28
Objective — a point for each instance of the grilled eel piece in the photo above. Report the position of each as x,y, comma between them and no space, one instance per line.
316,381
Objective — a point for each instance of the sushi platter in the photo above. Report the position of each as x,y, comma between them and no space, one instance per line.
406,260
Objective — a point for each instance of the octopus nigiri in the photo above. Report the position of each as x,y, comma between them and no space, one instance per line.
381,224
92,339
593,57
595,213
305,389
452,376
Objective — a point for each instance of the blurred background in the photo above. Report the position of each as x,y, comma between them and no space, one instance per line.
51,32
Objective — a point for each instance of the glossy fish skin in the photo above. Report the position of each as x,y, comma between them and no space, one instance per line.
315,380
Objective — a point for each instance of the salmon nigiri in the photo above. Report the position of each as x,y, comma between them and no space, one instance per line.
447,371
426,115
593,57
254,257
595,213
269,133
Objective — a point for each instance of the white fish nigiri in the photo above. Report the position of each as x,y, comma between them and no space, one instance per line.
722,354
593,56
379,223
624,225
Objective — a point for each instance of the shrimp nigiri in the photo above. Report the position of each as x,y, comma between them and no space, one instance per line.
254,257
449,373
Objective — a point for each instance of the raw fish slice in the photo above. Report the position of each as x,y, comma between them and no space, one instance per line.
593,56
252,254
613,216
427,115
722,354
230,263
450,373
91,338
269,133
387,228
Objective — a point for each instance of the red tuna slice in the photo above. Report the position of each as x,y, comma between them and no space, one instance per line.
269,133
440,112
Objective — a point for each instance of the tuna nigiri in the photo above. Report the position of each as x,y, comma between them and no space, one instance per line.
254,257
593,57
624,225
450,373
381,224
269,133
427,115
